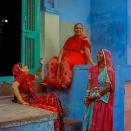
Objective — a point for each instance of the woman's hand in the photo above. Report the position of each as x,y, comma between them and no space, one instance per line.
41,61
93,98
87,100
59,61
25,103
60,56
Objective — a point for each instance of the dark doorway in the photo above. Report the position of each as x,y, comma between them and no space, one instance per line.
10,35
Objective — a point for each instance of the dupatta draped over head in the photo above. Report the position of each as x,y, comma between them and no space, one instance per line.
48,101
93,71
99,114
16,70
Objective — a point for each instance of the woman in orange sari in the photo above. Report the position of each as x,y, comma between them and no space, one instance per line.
76,50
99,100
25,94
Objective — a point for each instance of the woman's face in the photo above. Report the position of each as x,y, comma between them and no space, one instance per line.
78,29
100,56
24,68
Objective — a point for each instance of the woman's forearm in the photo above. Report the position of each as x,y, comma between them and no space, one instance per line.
60,56
88,54
100,93
39,71
105,90
16,92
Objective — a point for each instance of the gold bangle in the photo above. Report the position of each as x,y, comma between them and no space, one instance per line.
97,95
87,91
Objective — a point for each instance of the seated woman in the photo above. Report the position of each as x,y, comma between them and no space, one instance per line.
76,50
99,100
25,94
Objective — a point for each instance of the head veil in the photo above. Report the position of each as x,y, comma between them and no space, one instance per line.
16,70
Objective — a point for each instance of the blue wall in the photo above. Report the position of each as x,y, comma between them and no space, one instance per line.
69,10
109,30
129,31
109,22
74,11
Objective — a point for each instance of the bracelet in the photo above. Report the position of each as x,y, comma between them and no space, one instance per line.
87,91
97,95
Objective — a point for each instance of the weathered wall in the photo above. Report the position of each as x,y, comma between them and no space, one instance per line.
67,13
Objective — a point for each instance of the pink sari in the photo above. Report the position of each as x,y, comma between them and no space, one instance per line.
61,74
99,114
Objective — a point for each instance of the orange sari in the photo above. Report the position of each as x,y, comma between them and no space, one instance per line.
61,74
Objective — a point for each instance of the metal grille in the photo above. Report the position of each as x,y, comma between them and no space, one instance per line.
30,52
30,15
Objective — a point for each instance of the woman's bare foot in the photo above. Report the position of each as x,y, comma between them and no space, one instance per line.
63,86
43,83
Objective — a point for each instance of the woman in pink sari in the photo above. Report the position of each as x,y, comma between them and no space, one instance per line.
25,94
76,50
99,100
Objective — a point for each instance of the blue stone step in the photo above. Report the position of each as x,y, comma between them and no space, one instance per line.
72,124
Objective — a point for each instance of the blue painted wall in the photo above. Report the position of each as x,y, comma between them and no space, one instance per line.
109,22
70,10
74,11
109,30
129,31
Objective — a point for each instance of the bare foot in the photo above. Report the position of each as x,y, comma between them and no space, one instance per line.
44,84
63,86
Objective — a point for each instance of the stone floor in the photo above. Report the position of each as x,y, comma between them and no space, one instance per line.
12,114
72,124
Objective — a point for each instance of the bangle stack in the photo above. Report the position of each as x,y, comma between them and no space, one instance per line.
97,95
87,92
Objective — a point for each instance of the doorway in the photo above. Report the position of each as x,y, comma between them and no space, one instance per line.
10,35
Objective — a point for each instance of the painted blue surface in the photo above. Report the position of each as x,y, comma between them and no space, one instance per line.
109,30
34,126
108,21
70,10
77,92
72,98
129,32
74,11
50,6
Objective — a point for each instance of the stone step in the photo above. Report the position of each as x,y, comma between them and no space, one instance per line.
72,124
6,89
17,117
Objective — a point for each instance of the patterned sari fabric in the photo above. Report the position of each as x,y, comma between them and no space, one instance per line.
99,114
48,101
61,74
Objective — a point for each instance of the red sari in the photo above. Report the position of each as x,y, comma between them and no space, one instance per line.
48,101
73,53
100,115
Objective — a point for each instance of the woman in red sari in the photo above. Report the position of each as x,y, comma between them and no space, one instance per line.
76,50
99,100
25,94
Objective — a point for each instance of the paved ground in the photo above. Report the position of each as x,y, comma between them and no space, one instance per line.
11,113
